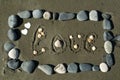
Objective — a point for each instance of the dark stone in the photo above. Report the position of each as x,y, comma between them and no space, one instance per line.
8,46
72,68
108,35
110,60
85,67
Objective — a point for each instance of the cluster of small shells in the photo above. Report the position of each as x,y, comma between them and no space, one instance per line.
41,33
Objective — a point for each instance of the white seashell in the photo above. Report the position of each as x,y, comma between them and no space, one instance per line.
40,30
43,50
39,35
108,47
24,31
47,15
75,46
60,68
103,67
93,48
35,52
70,36
58,44
42,33
91,37
79,36
13,53
27,25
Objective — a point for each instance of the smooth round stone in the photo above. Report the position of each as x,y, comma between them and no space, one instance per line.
14,34
60,68
85,67
37,13
14,64
108,35
25,14
72,68
14,53
103,67
110,59
95,68
108,47
58,44
47,15
47,69
29,66
93,15
106,16
13,21
66,16
107,25
117,38
82,16
8,46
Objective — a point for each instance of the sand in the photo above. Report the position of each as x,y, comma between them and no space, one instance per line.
8,7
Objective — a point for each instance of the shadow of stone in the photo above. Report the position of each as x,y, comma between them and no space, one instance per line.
100,18
111,24
18,33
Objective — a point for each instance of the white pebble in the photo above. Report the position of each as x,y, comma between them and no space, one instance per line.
27,25
35,52
39,35
70,36
43,50
58,44
60,68
103,67
93,48
75,46
79,36
93,15
108,47
47,15
40,30
24,31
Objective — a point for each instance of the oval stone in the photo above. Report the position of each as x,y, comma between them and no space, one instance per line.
85,67
37,13
103,67
60,68
107,25
14,53
108,35
8,46
93,15
95,68
108,47
25,14
82,16
110,60
72,68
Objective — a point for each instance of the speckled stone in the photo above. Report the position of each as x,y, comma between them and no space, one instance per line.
103,67
108,47
72,68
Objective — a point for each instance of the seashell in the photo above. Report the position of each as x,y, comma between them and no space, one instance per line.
35,52
47,15
43,50
79,36
40,30
58,44
42,33
103,67
93,48
60,68
39,35
70,37
75,46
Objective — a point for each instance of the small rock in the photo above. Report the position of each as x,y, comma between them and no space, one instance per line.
103,67
85,67
46,69
29,66
95,68
25,14
106,16
58,44
108,47
8,46
107,25
24,31
27,25
47,15
60,68
14,64
14,34
117,38
108,35
66,16
110,59
72,68
93,15
82,16
37,13
14,53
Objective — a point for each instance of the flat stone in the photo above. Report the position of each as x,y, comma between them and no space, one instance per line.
72,68
8,46
82,16
108,47
29,66
47,69
106,16
66,16
95,68
107,25
14,63
108,35
14,53
60,68
85,67
37,13
103,67
93,15
110,60
25,14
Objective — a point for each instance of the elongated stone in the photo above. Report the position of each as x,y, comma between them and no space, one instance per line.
37,13
72,68
103,67
110,60
82,16
108,35
108,47
107,25
25,14
85,67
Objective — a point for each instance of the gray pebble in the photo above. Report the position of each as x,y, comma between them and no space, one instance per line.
107,25
110,59
29,66
37,13
72,68
117,38
14,53
85,67
8,46
82,16
25,14
95,68
14,63
47,69
66,16
108,35
106,16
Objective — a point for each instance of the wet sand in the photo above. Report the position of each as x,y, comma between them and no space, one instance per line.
63,28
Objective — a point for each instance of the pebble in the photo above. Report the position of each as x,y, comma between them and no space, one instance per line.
47,15
93,15
8,46
29,66
60,68
66,16
82,16
14,53
27,25
46,69
95,68
103,67
107,25
110,59
85,67
117,38
14,34
106,16
25,14
108,35
108,47
24,31
58,44
72,68
13,21
14,63
37,13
